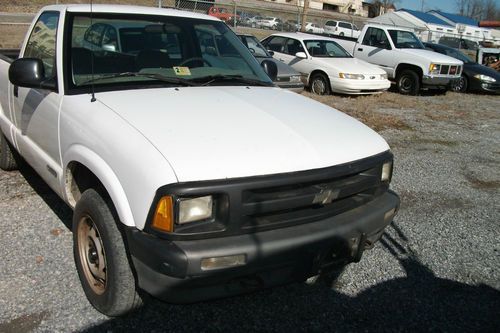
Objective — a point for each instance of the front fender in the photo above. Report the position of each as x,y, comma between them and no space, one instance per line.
85,156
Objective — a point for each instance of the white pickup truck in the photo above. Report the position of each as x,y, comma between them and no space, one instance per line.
403,56
191,176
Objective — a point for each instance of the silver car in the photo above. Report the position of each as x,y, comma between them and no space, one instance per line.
288,78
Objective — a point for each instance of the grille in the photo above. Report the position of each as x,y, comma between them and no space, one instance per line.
301,203
444,69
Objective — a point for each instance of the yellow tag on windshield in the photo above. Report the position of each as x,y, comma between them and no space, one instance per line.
182,71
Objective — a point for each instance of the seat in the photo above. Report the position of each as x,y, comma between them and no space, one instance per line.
81,60
153,59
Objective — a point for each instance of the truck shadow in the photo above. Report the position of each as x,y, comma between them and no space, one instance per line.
418,301
56,204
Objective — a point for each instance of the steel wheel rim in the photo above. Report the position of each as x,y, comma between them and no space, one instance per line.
406,83
92,255
318,87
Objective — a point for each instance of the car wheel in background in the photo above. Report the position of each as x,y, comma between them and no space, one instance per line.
101,258
7,159
460,85
341,34
320,84
408,82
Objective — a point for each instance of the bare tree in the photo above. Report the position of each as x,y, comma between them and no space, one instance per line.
478,9
380,7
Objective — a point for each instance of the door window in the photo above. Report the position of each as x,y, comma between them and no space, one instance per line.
345,25
376,37
42,42
276,44
293,46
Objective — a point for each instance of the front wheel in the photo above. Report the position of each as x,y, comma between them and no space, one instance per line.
408,82
461,85
320,84
101,258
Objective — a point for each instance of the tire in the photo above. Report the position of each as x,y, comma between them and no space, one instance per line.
320,84
341,34
101,258
408,82
461,85
7,158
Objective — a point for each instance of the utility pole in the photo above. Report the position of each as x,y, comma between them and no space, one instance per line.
304,16
422,7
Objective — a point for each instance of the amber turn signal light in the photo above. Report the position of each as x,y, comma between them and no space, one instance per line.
164,215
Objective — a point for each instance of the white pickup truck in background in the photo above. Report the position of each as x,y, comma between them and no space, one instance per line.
403,56
190,174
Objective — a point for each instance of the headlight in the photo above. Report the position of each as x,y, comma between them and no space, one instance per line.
195,209
484,78
386,172
434,69
295,78
383,76
351,76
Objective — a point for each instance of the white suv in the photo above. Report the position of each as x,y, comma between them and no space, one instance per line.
341,28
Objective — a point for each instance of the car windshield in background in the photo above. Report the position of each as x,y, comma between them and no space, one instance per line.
325,49
405,40
114,50
458,55
256,47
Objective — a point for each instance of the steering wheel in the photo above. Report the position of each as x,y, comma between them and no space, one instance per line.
187,61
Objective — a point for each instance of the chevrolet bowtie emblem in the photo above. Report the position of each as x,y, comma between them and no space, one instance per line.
325,196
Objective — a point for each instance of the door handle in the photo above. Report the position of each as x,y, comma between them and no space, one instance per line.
360,49
16,91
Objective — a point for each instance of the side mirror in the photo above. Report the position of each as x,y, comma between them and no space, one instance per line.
109,47
301,55
270,52
28,73
270,68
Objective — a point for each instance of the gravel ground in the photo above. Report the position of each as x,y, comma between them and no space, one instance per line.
436,268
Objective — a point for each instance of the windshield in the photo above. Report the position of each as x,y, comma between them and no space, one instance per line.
325,49
113,50
257,49
458,55
405,40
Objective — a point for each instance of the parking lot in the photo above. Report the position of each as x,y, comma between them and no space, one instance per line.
436,268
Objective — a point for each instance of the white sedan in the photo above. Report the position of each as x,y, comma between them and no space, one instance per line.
314,28
328,67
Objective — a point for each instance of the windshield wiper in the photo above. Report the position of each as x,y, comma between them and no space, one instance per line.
159,77
207,80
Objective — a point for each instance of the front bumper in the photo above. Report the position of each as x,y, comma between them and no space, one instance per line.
171,270
297,87
490,87
346,86
438,81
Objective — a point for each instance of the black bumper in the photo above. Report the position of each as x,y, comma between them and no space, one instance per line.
171,270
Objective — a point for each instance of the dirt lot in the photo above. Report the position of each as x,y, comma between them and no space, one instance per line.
436,268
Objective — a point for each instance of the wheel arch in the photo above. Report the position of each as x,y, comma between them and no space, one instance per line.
317,71
402,66
85,169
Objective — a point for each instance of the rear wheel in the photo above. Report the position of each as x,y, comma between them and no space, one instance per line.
320,84
101,258
7,159
408,82
341,34
461,85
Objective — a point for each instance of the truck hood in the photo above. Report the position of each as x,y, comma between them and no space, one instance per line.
348,65
226,132
432,56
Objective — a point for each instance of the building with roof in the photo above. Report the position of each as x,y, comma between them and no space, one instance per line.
466,27
426,26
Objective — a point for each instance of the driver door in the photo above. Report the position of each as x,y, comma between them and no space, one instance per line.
376,49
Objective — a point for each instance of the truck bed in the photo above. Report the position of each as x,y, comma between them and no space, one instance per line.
9,55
